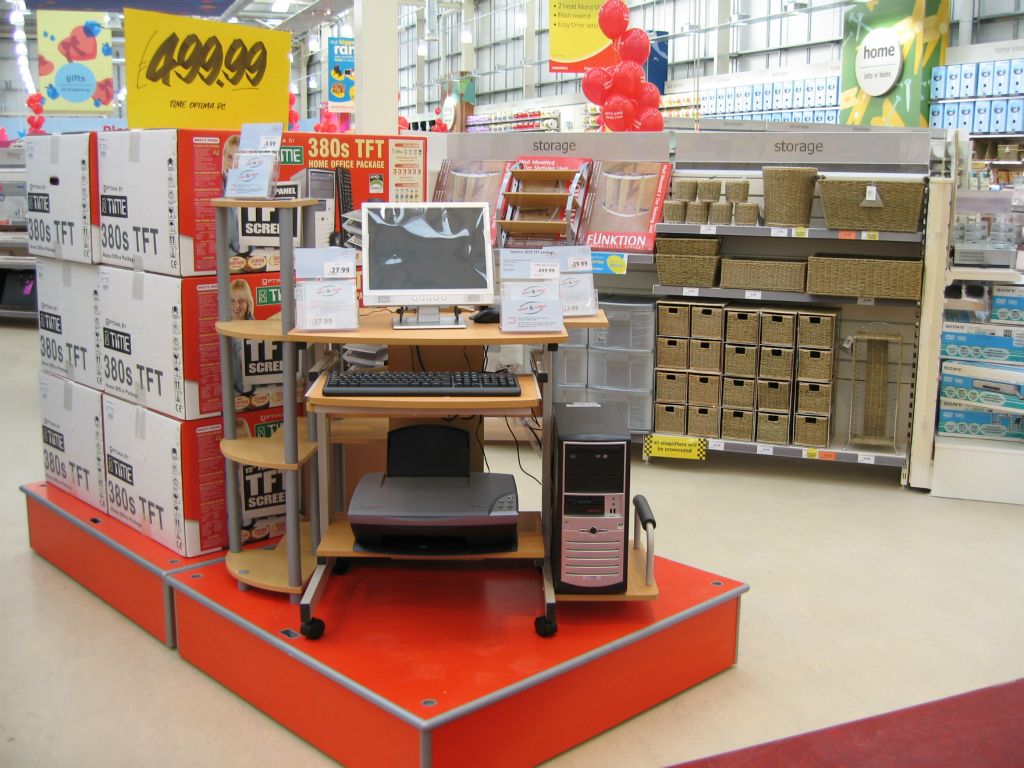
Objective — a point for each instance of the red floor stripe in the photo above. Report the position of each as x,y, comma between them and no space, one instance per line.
983,729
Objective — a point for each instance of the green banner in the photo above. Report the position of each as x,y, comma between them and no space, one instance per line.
889,49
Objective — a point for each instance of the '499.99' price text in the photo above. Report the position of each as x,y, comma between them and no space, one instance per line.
193,58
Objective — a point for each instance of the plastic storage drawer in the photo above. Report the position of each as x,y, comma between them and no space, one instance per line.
639,414
619,369
630,326
571,367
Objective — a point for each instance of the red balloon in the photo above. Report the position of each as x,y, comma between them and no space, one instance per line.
597,85
635,45
291,99
649,119
403,123
649,96
628,77
618,113
293,117
613,18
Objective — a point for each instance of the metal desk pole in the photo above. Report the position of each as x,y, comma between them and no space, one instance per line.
291,439
227,382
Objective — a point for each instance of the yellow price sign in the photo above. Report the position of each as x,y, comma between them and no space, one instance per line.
675,447
187,73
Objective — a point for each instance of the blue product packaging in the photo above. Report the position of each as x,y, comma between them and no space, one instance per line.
832,116
832,92
999,387
952,81
798,94
1017,77
1015,116
757,96
958,420
949,115
938,83
1001,78
997,116
968,80
819,115
986,70
983,343
820,91
787,94
720,101
981,116
935,116
965,120
730,101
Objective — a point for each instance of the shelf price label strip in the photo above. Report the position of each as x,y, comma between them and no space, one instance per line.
675,447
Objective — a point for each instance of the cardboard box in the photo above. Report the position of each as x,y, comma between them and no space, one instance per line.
832,116
1007,304
63,216
965,118
952,81
757,98
819,116
983,342
968,80
981,117
787,94
1017,77
821,92
938,83
958,420
68,296
986,73
997,116
159,346
832,92
935,116
730,101
1001,78
998,387
72,421
260,489
798,94
1015,116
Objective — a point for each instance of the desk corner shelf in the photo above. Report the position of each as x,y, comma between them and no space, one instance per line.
267,569
266,452
257,202
261,330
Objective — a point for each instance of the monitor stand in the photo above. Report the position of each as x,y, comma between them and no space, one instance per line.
426,319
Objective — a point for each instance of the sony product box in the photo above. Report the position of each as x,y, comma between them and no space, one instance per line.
950,115
720,101
968,80
832,92
985,385
730,100
986,73
820,91
73,438
1017,77
983,342
1015,116
1001,78
819,116
981,117
997,116
957,420
757,96
965,118
952,81
938,83
1007,304
159,346
832,116
165,477
624,205
62,188
68,296
935,116
798,94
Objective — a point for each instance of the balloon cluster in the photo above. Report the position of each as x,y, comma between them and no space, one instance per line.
330,122
35,120
293,114
627,101
439,126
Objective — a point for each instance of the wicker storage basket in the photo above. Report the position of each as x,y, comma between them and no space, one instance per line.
774,396
703,422
687,261
697,213
671,353
674,212
705,356
738,425
778,328
788,195
814,399
817,329
720,213
706,322
670,387
704,389
747,214
709,190
688,246
737,190
864,278
741,326
684,189
670,419
776,363
900,210
740,360
673,319
811,431
738,393
815,365
773,428
763,275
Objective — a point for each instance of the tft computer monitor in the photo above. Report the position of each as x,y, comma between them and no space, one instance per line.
427,255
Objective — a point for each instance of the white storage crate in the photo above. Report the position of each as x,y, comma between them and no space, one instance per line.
565,394
631,324
620,369
578,337
638,405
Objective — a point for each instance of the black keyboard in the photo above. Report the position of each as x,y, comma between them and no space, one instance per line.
427,383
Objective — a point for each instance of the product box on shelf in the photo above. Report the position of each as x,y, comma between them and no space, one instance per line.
1017,77
1015,116
261,489
968,80
998,387
62,186
938,83
1007,304
819,116
832,92
965,119
68,296
952,81
159,346
983,342
958,420
832,116
624,205
997,116
73,438
981,117
934,116
950,115
757,97
986,71
821,91
730,101
798,94
1001,78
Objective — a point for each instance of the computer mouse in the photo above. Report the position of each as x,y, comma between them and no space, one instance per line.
486,315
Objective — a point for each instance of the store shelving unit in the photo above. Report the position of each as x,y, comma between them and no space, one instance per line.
14,255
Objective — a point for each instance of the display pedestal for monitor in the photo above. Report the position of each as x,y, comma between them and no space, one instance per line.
427,319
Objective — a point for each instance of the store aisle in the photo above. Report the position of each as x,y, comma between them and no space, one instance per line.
864,598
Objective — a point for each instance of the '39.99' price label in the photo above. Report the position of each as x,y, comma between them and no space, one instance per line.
187,73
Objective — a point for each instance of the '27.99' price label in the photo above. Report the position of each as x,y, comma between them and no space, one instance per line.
183,72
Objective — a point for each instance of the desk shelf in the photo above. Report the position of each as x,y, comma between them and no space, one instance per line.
266,451
268,568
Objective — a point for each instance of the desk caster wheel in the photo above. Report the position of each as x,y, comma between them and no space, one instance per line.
313,630
340,567
545,627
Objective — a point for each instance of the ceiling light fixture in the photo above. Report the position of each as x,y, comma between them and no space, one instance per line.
21,49
280,6
17,18
19,35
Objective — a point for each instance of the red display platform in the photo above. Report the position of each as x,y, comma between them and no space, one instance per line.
119,565
438,664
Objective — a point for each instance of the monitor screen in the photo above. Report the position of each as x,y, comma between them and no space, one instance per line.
427,254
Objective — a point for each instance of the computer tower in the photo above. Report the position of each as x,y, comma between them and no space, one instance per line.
590,513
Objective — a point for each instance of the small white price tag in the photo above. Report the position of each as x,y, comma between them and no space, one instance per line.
865,458
572,308
753,295
691,291
339,269
865,301
708,229
848,342
580,264
716,445
868,235
543,270
321,321
871,193
766,450
780,232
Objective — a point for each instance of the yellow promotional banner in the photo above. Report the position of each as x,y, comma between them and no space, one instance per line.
675,447
186,73
76,65
576,40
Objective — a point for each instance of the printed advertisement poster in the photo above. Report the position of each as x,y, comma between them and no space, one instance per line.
182,72
577,42
341,63
76,65
889,50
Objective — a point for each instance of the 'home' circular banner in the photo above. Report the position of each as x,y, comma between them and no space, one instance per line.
879,62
